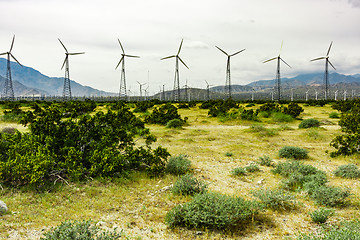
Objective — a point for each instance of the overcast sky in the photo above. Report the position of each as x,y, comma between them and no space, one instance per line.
153,29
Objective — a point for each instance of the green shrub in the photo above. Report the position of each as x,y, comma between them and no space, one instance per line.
276,199
84,230
281,117
248,115
188,185
66,145
348,230
313,133
309,123
321,215
178,165
238,171
175,123
266,161
252,167
163,114
263,131
213,211
347,171
334,115
328,195
229,154
293,109
293,152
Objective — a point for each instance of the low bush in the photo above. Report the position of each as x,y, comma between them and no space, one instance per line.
163,114
188,185
175,123
293,109
252,167
321,215
213,211
291,152
328,195
178,165
238,171
309,123
76,230
229,154
347,171
266,161
281,117
263,131
349,230
334,115
276,199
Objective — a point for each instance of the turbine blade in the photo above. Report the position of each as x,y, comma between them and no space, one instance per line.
237,52
180,46
315,59
131,56
76,53
122,58
329,49
3,53
15,59
285,62
66,59
168,57
270,59
222,51
207,83
63,45
331,64
282,42
121,47
12,43
183,63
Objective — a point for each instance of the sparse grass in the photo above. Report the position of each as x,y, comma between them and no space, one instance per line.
266,161
321,215
276,199
347,171
291,152
178,165
188,185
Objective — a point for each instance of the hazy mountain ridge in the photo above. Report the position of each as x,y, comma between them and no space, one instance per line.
32,80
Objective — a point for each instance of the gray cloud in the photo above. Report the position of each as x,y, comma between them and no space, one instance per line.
354,3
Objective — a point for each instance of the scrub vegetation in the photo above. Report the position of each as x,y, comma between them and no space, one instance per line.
116,170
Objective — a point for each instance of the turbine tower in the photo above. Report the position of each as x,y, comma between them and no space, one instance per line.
207,91
228,76
176,92
67,87
8,89
122,90
326,74
140,86
278,79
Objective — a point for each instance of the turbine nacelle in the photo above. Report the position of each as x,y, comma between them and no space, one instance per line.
177,55
10,55
325,57
66,60
123,55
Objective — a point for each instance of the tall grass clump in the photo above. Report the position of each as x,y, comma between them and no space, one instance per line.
266,161
291,152
276,199
281,117
309,123
213,211
178,165
334,115
76,230
347,171
188,185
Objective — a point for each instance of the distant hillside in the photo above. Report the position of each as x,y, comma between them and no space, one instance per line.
33,80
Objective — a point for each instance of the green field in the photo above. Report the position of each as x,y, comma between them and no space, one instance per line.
138,204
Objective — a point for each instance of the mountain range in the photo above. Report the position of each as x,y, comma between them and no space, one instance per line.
28,82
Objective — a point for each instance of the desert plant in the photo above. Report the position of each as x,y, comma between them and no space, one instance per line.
293,152
163,114
293,109
348,230
281,117
80,230
347,171
178,165
252,167
276,199
321,215
266,161
188,185
328,195
175,123
309,123
238,171
334,115
229,154
213,211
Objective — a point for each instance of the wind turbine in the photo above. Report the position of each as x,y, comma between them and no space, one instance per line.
207,91
253,92
326,75
122,90
176,92
8,90
67,87
306,94
278,79
228,75
140,85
